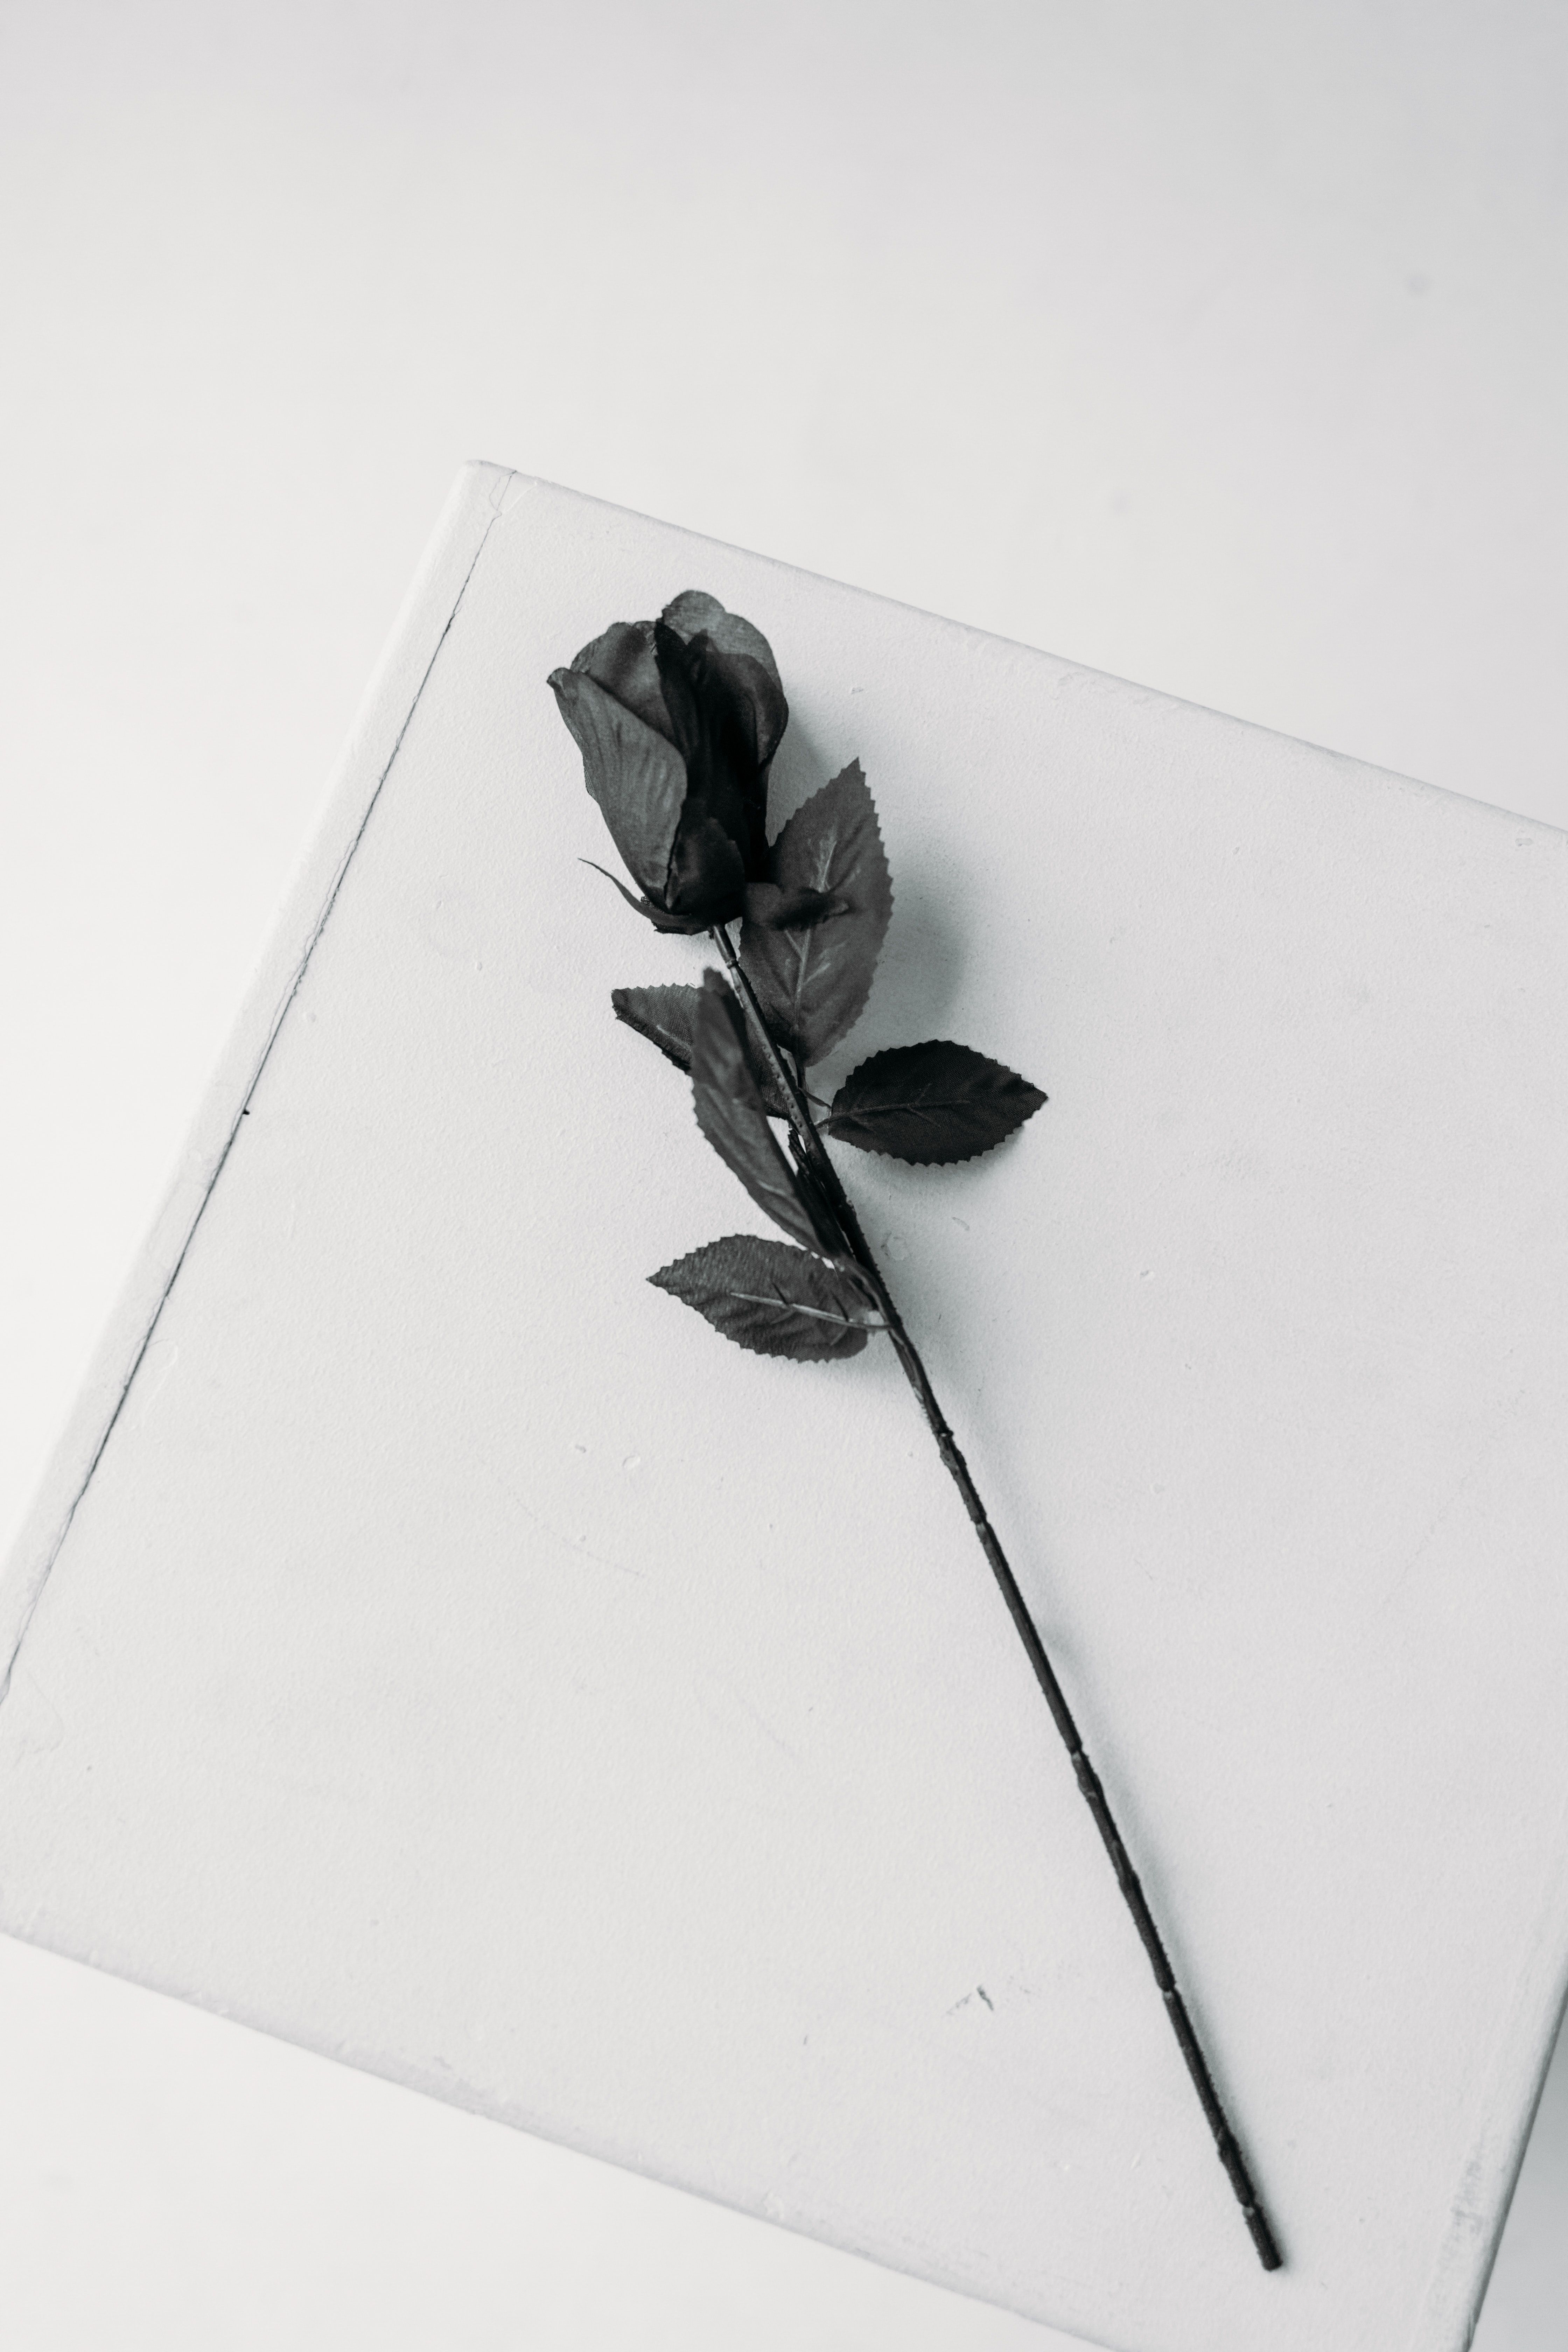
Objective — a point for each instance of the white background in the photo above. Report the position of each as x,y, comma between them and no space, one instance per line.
1222,346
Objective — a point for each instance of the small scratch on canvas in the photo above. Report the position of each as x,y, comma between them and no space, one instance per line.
578,1544
1435,1525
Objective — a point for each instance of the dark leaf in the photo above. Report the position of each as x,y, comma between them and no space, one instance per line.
779,910
637,778
731,1113
659,916
931,1103
776,1300
664,1015
814,983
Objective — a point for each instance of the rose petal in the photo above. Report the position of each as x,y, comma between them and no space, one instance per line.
706,875
621,661
715,731
637,779
745,657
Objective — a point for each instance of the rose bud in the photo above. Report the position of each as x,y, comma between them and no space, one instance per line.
678,720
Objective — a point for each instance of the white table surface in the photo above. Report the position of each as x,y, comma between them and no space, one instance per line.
430,1647
1242,377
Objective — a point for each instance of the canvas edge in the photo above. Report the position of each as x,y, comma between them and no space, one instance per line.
426,2080
481,494
1505,2116
474,504
1068,666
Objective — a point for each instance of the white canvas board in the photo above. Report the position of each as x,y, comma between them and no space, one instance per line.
435,1646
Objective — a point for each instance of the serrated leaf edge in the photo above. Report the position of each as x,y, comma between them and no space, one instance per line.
838,1124
864,1326
786,1043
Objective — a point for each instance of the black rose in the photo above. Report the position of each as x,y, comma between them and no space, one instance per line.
678,720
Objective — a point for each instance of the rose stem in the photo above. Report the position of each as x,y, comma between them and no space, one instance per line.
809,1147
